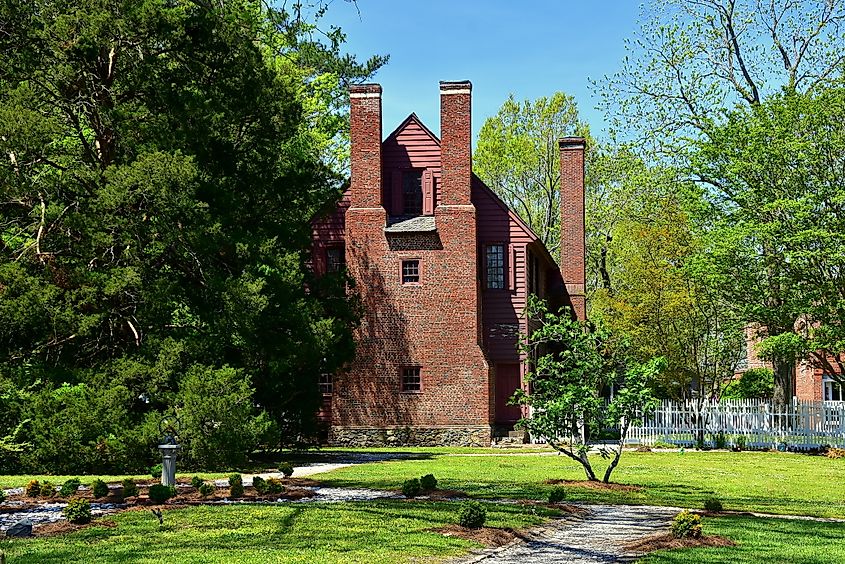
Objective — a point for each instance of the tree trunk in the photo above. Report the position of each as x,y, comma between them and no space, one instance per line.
784,377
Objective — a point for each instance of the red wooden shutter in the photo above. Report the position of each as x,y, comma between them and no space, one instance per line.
511,267
428,193
396,193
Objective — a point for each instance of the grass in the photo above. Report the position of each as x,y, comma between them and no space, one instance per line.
763,540
371,532
781,483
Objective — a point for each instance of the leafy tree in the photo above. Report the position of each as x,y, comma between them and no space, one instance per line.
753,383
158,160
571,364
517,156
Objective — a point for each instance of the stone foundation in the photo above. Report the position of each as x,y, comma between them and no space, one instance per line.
410,436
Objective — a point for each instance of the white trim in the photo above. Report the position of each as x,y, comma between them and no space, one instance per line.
365,94
444,91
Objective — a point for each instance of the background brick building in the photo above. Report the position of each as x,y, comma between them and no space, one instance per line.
443,269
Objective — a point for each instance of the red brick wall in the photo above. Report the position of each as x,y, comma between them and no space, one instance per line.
808,382
572,242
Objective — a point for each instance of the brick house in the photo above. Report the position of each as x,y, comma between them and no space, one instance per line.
443,268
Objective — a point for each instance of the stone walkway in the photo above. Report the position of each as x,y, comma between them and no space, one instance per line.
597,536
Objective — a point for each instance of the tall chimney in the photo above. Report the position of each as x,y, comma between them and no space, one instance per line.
572,238
455,142
365,144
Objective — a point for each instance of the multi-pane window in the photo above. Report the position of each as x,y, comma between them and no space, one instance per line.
832,389
326,384
410,271
412,192
495,266
411,379
335,259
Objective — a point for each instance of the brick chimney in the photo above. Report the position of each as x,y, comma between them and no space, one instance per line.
365,141
572,242
455,142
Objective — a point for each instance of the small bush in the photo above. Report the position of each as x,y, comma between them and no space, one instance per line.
686,525
47,489
70,487
77,511
411,488
236,485
160,493
260,485
740,442
473,515
196,482
663,444
2,495
206,490
720,441
712,504
32,488
286,468
130,489
155,470
428,482
99,488
275,486
557,494
835,453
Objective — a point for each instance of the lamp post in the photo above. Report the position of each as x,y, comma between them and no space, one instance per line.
169,450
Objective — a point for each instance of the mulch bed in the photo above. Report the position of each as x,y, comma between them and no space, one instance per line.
595,485
661,541
487,536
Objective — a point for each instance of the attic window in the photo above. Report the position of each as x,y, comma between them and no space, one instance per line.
412,192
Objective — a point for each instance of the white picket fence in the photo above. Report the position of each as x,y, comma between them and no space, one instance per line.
754,423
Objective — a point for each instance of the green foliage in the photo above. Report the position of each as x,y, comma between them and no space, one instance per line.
2,495
206,490
686,525
130,488
70,487
159,493
47,489
411,488
155,470
151,235
33,488
720,440
740,442
99,488
428,482
753,383
78,511
472,515
259,484
236,485
286,468
712,504
275,486
196,482
557,494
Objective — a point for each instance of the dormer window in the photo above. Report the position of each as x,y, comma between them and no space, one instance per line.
412,192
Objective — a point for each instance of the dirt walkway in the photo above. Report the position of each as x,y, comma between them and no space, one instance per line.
597,536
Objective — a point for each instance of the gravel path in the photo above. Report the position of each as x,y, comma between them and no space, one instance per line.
597,536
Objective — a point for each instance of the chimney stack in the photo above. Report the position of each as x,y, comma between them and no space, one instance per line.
572,237
456,142
365,141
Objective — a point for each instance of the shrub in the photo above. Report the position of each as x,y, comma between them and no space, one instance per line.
47,489
130,489
260,485
32,488
78,511
428,482
286,468
2,495
754,383
712,504
720,441
99,488
663,444
275,485
196,482
411,488
160,493
473,515
557,494
206,490
236,485
740,442
686,525
835,453
70,487
155,470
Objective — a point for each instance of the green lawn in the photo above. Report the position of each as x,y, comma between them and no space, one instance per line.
780,483
382,531
763,540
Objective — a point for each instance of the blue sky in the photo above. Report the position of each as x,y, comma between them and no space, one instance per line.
530,49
